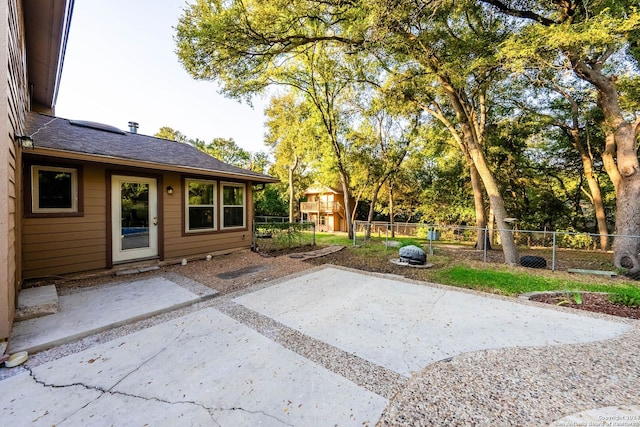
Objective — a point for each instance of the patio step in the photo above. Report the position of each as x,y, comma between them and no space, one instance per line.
36,302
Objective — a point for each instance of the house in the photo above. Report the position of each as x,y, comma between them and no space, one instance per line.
32,54
79,196
325,208
96,196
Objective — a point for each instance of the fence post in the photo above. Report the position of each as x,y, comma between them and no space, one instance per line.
355,224
553,253
386,237
484,243
253,234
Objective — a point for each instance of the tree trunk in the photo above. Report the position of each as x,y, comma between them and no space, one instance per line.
471,144
626,244
595,194
391,209
596,200
344,181
478,201
624,170
491,227
292,194
374,200
497,203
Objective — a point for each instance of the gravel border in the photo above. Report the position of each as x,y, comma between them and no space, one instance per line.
521,386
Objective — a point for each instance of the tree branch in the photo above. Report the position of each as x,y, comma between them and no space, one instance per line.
526,14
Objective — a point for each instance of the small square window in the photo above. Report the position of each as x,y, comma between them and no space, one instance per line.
54,189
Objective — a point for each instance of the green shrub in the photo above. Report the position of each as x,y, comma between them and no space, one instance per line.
574,241
632,301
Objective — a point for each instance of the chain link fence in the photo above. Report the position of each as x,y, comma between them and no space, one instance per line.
275,236
553,250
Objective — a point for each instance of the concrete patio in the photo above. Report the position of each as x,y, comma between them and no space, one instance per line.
329,347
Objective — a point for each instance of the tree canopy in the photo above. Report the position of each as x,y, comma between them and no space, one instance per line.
531,107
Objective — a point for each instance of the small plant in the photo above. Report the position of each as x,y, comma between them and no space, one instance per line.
574,297
625,299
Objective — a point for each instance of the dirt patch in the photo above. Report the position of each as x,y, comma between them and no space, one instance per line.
598,303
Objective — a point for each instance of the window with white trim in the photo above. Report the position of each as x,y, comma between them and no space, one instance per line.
54,189
200,206
233,205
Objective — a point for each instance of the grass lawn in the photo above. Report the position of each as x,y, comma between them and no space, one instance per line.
452,267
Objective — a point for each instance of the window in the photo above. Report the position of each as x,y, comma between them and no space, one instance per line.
200,205
233,202
54,189
323,220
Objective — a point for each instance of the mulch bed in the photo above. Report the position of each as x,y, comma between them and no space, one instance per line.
598,303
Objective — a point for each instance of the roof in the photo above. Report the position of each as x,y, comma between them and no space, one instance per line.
46,34
59,137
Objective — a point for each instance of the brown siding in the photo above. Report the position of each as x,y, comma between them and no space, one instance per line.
12,114
61,245
53,246
179,245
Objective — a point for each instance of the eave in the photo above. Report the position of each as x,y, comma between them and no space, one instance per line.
70,155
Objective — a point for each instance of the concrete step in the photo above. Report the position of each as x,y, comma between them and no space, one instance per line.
36,302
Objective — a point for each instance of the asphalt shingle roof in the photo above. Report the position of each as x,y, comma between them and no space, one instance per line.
62,134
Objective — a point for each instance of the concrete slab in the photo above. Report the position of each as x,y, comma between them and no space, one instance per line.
405,327
200,369
36,302
95,309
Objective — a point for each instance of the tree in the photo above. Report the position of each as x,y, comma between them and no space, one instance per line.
269,202
292,136
239,44
169,133
226,150
380,144
592,39
244,44
450,56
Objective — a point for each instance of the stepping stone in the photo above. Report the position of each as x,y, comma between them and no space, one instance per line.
36,302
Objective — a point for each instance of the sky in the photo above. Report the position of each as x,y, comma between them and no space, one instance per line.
121,66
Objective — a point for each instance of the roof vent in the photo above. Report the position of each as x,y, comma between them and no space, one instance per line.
133,127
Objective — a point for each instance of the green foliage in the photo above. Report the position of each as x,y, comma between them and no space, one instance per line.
572,297
630,300
454,62
277,235
169,133
270,202
574,240
513,283
226,150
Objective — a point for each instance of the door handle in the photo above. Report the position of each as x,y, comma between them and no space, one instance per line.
155,220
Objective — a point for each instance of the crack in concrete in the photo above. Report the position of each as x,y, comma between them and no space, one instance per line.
144,362
257,412
211,411
111,392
